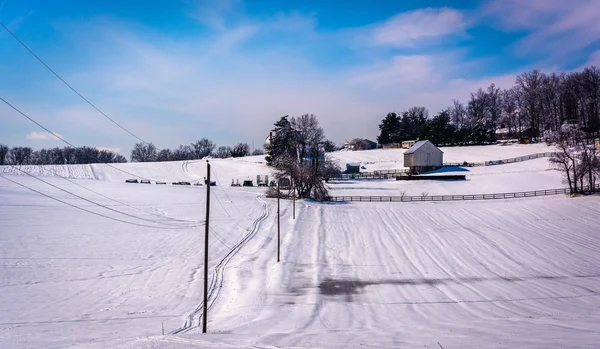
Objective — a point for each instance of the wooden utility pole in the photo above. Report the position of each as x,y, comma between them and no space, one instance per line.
294,200
278,221
205,305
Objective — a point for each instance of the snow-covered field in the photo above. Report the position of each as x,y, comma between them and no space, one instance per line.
503,274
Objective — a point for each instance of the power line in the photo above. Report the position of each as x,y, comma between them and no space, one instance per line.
227,195
35,122
117,201
93,202
69,86
81,208
62,139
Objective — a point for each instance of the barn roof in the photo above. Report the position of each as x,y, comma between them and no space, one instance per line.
418,145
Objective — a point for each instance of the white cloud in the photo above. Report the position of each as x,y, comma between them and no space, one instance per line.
114,150
42,136
418,27
408,69
557,30
172,91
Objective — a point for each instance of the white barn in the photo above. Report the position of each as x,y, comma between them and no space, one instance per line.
422,156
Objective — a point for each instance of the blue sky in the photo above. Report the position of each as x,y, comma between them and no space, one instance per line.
175,71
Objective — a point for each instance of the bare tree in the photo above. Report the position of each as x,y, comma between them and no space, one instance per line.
510,110
3,153
19,155
164,155
203,148
494,105
240,150
530,85
458,113
143,152
223,152
258,151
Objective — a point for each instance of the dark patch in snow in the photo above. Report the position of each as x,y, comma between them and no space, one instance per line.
349,288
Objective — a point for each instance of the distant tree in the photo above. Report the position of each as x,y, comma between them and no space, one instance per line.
439,130
258,151
203,148
56,156
389,129
494,106
143,152
4,149
223,152
284,141
329,146
296,154
530,88
458,114
19,155
105,156
184,152
164,155
240,150
510,113
412,121
119,159
477,109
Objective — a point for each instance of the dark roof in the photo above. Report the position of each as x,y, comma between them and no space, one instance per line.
418,145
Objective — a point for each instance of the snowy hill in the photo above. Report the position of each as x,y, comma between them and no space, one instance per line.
114,265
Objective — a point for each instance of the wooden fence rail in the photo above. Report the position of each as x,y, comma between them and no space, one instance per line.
429,198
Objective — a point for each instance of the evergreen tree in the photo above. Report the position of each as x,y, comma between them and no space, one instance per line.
389,129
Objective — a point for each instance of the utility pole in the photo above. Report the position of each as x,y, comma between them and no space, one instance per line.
278,221
294,200
205,308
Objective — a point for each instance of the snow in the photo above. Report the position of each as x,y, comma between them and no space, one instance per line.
494,274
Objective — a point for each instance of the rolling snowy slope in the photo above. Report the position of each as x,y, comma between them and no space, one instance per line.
70,277
503,274
510,274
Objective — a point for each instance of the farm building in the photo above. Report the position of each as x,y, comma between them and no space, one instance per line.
268,142
597,142
353,167
408,144
423,156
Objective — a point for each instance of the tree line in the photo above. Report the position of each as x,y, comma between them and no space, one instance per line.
147,152
57,156
538,106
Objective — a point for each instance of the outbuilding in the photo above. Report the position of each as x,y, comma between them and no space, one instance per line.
423,156
353,167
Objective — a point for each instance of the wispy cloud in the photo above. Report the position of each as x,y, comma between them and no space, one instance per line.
419,27
556,29
400,70
212,87
114,150
215,14
42,136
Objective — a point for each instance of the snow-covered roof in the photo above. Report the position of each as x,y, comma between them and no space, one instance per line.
416,147
353,164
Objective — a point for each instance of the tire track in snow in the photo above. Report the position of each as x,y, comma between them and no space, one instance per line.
216,283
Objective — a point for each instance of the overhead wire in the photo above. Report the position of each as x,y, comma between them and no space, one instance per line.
68,85
83,209
117,201
93,202
61,138
227,195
